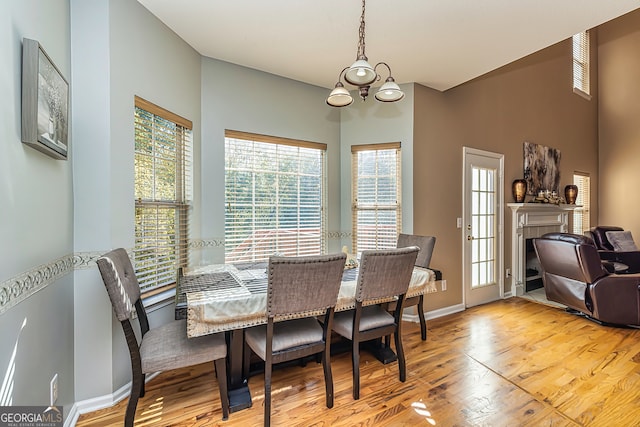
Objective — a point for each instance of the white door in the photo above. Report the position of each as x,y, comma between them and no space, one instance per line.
483,195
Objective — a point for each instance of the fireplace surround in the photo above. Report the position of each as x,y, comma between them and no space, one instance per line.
528,221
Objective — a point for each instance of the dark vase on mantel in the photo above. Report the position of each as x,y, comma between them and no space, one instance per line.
519,190
571,194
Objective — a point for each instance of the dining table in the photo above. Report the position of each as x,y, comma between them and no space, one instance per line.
227,298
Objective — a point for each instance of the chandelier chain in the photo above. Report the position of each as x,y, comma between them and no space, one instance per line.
361,35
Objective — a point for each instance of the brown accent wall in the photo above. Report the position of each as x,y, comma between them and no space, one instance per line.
619,122
529,100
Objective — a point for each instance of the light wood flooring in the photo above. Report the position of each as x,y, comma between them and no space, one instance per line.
509,363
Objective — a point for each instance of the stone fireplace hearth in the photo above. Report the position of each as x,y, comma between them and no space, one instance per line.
528,221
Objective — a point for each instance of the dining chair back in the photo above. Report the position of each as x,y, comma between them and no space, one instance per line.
299,289
426,245
383,276
159,349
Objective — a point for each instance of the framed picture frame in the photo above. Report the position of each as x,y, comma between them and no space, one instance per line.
45,102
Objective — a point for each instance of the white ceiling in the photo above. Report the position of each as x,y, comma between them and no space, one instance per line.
437,43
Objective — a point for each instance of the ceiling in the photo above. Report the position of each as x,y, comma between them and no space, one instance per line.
437,43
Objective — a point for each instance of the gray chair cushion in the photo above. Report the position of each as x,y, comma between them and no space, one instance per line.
286,335
373,316
167,347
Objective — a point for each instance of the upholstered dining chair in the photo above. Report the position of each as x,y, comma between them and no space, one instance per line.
299,289
383,275
426,245
159,349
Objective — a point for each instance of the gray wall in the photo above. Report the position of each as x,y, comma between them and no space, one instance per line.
36,226
120,50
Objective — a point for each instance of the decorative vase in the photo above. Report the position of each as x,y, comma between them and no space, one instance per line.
571,193
519,190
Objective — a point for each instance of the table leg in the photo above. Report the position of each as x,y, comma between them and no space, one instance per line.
239,395
380,351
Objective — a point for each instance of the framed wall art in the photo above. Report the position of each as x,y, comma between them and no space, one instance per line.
45,102
541,168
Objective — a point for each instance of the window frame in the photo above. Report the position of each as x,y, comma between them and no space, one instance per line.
358,208
581,77
299,243
581,214
156,263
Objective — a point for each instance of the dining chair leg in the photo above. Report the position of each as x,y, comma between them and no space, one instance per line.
221,374
137,385
142,389
355,361
400,353
423,321
267,391
328,378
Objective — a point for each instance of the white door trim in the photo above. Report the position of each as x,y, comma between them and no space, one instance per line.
500,215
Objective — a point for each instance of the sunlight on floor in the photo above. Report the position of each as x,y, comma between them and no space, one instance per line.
421,409
152,415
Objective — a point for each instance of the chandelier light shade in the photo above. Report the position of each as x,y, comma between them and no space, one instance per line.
362,75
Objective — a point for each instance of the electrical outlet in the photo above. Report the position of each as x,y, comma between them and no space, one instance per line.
54,389
444,285
507,272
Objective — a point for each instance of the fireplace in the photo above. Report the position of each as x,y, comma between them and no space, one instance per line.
531,220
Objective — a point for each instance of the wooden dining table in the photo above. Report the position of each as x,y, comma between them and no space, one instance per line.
227,298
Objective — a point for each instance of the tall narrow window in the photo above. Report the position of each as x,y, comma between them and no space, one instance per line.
274,197
581,214
581,82
162,194
376,196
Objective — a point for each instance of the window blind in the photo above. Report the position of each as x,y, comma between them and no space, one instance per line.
581,62
376,196
274,197
581,215
163,194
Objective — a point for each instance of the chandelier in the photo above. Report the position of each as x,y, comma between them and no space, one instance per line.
362,75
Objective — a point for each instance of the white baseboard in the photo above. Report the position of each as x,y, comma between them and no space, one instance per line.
101,402
433,314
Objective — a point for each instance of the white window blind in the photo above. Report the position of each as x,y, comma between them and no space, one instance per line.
581,62
376,196
274,197
581,215
163,187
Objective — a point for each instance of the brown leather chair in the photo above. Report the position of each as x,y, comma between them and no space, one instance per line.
607,252
574,275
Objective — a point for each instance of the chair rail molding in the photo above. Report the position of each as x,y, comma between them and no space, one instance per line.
20,287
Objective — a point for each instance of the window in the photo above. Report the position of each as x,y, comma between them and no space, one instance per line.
581,83
162,194
376,196
274,197
581,214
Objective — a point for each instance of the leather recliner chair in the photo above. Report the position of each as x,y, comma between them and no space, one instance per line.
607,252
573,275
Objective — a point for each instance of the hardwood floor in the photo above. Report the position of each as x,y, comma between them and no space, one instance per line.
508,363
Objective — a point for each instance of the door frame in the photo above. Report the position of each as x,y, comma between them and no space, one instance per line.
500,216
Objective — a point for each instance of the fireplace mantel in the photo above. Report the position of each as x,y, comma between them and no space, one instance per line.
530,220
